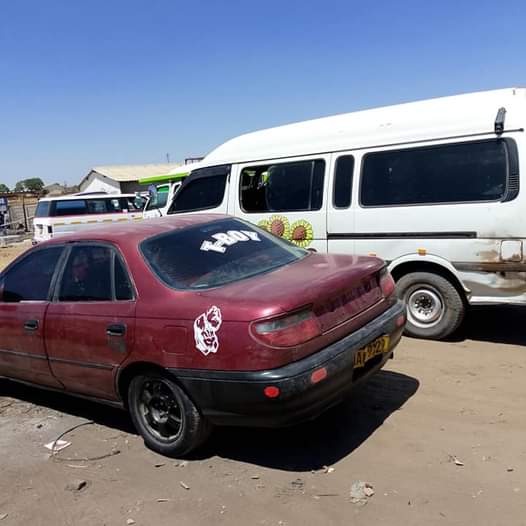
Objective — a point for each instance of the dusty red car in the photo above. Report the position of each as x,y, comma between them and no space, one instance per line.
190,321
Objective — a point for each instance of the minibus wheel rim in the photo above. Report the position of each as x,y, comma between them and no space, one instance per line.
425,307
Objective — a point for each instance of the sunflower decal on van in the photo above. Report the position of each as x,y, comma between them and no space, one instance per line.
300,232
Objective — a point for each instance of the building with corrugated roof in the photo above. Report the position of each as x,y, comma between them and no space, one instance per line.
122,178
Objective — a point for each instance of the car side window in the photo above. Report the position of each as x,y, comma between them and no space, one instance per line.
96,206
71,207
87,274
123,288
115,205
30,279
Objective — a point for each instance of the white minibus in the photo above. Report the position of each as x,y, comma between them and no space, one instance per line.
433,187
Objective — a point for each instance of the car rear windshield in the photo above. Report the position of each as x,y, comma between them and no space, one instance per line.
216,253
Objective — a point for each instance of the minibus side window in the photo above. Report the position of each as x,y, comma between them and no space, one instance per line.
283,187
447,173
343,181
71,207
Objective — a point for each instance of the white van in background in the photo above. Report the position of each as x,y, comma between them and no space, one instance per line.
56,216
433,187
159,200
162,189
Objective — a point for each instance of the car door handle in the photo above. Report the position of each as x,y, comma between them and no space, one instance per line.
31,325
118,329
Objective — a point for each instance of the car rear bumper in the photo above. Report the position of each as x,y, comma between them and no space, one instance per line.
238,398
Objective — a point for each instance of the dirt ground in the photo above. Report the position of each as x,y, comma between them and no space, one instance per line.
440,434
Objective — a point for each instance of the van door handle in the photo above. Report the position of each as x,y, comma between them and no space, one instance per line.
118,329
31,325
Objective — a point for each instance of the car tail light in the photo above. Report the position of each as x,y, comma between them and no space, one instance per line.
287,331
387,283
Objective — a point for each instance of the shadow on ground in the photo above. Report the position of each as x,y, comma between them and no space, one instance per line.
100,414
323,441
496,324
305,447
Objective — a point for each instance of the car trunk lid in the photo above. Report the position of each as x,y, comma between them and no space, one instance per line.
337,288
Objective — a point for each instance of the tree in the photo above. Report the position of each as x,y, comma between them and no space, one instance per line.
34,184
4,187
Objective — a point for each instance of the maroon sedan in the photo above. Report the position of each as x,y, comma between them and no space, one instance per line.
190,321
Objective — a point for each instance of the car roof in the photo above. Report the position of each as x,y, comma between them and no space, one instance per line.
76,197
133,232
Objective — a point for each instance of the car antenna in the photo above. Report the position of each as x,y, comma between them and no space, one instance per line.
499,121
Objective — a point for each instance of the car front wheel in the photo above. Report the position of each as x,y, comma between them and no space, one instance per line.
164,415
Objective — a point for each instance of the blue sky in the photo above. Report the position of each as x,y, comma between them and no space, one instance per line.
127,81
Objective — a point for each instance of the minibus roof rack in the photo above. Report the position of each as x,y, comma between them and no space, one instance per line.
499,121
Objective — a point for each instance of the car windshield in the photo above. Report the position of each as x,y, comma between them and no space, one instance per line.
213,254
158,200
43,209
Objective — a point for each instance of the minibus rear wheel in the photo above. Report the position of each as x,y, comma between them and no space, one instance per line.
435,308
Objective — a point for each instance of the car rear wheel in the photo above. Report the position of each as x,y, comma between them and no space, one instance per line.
435,308
164,415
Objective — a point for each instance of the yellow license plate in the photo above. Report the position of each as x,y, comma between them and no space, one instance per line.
376,347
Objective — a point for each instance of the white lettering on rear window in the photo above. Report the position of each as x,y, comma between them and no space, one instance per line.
227,239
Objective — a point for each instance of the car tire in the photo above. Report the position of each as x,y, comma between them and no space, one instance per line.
167,419
435,308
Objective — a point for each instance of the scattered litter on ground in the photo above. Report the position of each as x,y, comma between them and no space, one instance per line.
3,516
57,445
163,500
509,470
455,460
255,477
129,522
159,465
183,485
76,485
360,492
